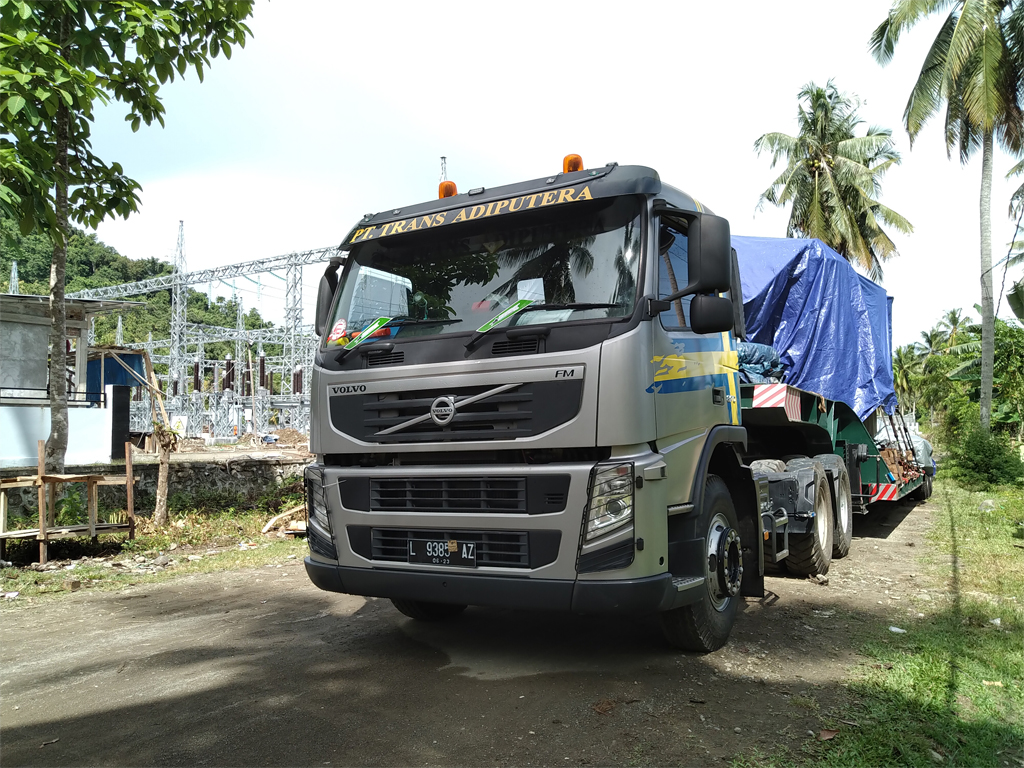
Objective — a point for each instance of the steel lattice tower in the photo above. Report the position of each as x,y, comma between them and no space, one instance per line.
179,306
292,322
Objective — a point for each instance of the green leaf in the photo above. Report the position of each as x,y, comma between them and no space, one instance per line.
136,122
15,103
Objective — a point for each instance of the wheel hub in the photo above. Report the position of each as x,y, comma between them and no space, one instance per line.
724,561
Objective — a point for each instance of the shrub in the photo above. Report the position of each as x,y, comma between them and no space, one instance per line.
980,459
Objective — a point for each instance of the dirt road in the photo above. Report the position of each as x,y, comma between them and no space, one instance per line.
261,668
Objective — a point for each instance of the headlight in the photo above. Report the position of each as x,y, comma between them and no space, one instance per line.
611,499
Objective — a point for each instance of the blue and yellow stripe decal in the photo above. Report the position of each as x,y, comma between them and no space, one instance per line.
700,363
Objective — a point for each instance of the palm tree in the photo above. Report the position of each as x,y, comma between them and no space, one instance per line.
954,324
933,343
976,66
833,179
906,368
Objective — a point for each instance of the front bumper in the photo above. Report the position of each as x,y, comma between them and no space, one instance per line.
643,595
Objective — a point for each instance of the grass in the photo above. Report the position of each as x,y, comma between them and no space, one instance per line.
200,524
952,688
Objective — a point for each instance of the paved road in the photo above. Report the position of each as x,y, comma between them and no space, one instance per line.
261,668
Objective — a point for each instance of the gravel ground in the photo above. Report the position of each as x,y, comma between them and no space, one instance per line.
261,668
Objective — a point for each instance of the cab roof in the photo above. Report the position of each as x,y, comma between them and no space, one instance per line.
612,180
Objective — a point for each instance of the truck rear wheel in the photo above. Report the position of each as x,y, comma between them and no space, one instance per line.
810,554
704,626
424,611
842,504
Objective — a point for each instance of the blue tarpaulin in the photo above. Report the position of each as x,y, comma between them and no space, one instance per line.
831,326
113,374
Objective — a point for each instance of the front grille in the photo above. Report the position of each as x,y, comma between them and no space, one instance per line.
496,416
530,408
421,494
385,358
515,347
505,549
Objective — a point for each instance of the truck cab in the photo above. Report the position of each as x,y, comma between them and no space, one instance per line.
527,397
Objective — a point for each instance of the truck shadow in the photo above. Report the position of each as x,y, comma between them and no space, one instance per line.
883,518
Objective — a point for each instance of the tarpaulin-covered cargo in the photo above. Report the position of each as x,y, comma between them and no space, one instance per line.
831,326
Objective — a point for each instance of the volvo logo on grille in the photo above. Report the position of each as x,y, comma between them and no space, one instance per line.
442,410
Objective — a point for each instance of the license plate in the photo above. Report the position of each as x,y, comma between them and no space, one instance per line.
443,552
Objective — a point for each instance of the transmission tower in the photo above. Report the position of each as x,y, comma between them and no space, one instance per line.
179,305
292,320
13,286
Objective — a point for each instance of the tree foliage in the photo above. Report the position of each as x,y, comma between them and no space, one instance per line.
60,58
832,178
942,378
975,66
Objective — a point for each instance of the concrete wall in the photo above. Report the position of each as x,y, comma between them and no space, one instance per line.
21,426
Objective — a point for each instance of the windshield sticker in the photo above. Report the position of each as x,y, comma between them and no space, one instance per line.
471,212
376,325
505,314
337,331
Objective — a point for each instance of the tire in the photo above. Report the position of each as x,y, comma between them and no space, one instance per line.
767,466
424,611
842,504
704,626
810,554
924,491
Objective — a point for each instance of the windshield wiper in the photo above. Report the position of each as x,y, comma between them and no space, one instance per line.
574,305
421,321
527,306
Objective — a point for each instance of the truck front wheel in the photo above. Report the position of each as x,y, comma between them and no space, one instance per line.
704,626
424,611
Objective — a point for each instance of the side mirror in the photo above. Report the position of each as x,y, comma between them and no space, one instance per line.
710,314
710,255
709,249
325,296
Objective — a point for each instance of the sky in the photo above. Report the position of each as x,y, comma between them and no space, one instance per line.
337,109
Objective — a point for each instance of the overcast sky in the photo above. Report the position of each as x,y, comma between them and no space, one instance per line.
336,109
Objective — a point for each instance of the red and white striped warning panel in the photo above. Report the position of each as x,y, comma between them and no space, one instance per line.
778,396
883,491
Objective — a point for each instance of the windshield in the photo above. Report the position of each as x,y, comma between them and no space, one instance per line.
549,266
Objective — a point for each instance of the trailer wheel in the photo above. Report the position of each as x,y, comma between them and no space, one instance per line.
924,491
842,504
424,611
704,626
810,554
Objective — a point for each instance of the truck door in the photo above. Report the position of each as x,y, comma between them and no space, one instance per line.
694,376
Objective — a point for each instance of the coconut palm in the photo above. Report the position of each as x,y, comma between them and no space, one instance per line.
954,325
933,343
906,369
833,178
976,67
